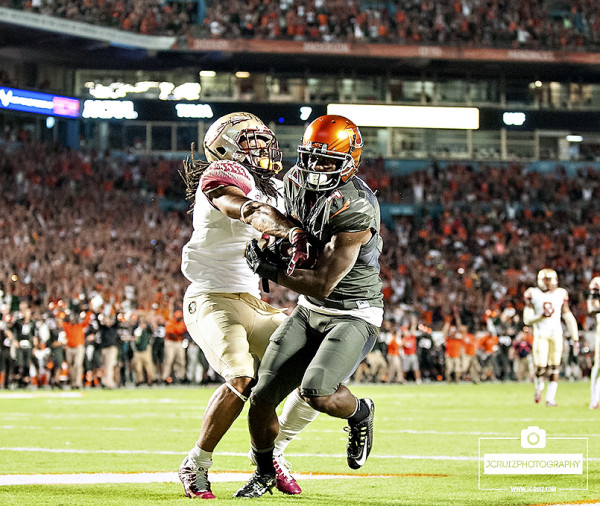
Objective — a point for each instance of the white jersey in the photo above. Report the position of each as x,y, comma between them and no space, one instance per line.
549,302
213,259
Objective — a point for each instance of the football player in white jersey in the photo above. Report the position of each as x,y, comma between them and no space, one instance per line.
593,307
234,196
544,306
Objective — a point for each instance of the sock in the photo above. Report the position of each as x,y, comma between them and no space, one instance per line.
360,413
593,383
296,415
551,392
538,381
264,460
200,457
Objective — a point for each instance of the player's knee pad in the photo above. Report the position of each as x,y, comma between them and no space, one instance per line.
540,371
554,372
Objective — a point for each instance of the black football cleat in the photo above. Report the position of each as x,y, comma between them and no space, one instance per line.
360,438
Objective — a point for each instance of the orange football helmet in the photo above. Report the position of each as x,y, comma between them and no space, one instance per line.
329,154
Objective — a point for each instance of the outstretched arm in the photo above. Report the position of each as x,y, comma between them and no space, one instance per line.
232,202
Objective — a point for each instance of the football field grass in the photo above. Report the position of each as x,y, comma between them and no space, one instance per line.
427,439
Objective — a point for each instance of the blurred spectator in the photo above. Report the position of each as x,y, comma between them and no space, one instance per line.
453,332
471,366
410,359
109,344
523,364
174,362
394,346
74,328
142,351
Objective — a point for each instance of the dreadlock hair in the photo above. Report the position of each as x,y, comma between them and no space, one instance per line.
190,173
193,169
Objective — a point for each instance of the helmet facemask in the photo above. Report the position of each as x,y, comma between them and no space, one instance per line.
322,170
329,153
244,138
259,149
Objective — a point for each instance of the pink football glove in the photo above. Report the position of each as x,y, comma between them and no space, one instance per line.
304,250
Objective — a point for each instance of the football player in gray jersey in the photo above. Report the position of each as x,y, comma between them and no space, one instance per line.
340,308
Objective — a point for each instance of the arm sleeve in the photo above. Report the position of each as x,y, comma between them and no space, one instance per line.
226,173
529,316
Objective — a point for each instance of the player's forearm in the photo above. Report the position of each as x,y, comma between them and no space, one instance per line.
307,282
571,325
593,306
530,317
266,219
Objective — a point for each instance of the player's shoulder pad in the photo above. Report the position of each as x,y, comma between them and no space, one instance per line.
226,173
528,295
350,211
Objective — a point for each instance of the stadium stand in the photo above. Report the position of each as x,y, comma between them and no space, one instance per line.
531,24
88,226
100,232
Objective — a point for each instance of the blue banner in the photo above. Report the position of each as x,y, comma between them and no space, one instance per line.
40,103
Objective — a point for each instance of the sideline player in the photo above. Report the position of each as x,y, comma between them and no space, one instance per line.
544,306
231,195
340,311
593,307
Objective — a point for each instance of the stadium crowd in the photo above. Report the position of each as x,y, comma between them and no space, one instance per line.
532,24
84,239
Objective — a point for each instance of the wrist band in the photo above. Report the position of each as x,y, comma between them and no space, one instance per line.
293,232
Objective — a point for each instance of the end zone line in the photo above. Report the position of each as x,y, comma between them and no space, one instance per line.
235,454
170,477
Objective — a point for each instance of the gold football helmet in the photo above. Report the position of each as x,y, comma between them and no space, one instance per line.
244,138
595,284
330,153
547,280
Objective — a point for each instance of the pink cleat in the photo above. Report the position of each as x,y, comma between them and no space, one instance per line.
551,404
593,406
195,480
285,482
537,396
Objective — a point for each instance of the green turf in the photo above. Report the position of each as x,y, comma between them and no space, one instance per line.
411,421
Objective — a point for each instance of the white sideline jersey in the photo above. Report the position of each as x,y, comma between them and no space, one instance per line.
549,302
213,259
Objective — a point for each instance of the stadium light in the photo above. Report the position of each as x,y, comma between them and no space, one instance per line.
401,116
574,138
514,118
242,75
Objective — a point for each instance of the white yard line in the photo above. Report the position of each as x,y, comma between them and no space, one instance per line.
100,478
230,454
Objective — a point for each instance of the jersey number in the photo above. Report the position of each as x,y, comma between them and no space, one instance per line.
547,309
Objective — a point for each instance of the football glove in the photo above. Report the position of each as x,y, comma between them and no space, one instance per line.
304,251
261,261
